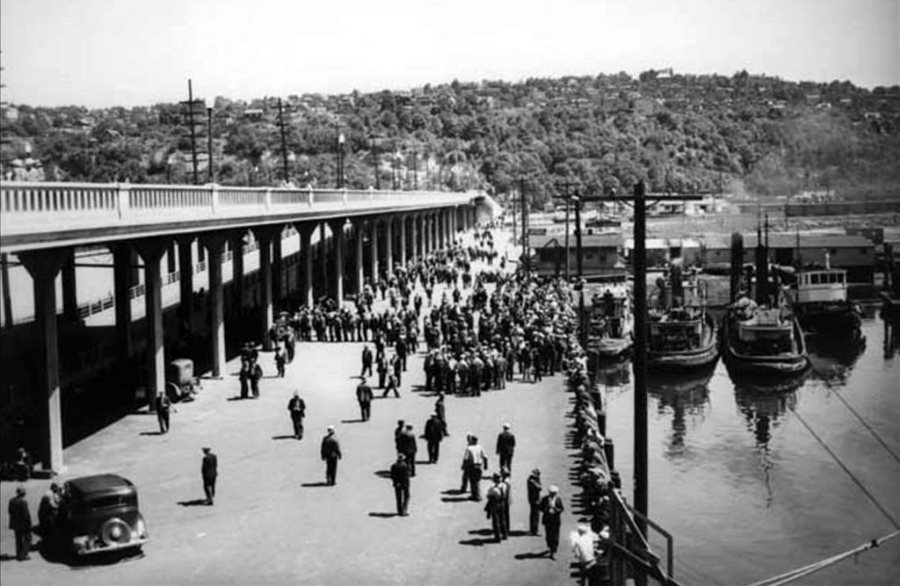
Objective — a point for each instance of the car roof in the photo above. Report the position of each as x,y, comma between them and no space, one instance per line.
100,484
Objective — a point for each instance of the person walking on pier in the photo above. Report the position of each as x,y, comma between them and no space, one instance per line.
506,491
407,446
366,361
534,501
434,433
441,411
506,446
400,477
364,397
494,509
552,509
474,463
280,360
209,470
256,374
163,407
331,453
297,409
392,385
20,523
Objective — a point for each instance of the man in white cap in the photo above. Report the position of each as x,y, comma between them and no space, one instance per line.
506,446
552,508
583,540
331,453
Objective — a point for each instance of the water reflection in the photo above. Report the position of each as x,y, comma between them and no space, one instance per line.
891,333
832,357
685,394
614,376
763,405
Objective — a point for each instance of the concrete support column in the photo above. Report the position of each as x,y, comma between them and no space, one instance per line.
374,243
389,245
414,220
452,225
359,229
237,271
323,257
337,234
215,247
122,294
432,232
185,284
265,236
151,251
306,287
43,266
403,257
69,289
277,265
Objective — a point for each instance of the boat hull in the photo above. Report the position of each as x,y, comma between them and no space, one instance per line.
687,360
784,365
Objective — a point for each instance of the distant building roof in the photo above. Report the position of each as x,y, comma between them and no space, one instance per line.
788,240
609,240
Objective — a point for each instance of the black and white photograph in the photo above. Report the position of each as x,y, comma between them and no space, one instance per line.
482,292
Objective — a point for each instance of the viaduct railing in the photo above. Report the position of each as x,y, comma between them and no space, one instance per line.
30,208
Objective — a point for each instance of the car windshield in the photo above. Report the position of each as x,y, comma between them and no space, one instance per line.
106,501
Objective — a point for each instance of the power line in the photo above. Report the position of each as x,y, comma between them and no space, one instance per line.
847,470
869,427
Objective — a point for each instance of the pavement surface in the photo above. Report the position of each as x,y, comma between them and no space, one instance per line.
274,521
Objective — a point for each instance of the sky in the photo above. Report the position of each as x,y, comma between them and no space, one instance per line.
101,53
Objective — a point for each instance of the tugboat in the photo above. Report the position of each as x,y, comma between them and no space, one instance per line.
763,337
682,334
612,324
821,304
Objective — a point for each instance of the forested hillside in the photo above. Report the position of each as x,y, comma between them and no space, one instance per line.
740,134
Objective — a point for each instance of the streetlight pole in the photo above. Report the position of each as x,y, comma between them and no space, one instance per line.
284,160
340,160
193,130
209,149
525,259
375,162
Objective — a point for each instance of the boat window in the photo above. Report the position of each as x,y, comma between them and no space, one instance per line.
815,279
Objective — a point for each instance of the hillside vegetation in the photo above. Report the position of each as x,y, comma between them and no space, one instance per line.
740,134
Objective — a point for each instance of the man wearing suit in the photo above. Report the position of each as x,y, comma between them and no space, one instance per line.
297,409
506,445
331,453
366,361
407,446
364,397
434,433
400,478
163,407
209,469
552,508
20,523
534,500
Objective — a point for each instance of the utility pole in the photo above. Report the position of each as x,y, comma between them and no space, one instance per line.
579,263
566,185
415,171
375,162
525,258
639,360
512,201
284,158
209,150
340,159
193,130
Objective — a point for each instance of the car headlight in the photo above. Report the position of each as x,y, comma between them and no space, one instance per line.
141,528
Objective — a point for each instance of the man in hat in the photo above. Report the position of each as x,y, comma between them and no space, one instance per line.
297,409
552,509
209,470
534,500
400,478
163,407
366,361
364,398
331,453
583,540
20,523
407,446
506,445
494,509
474,463
506,490
434,433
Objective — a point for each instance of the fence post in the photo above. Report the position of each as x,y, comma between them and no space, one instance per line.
268,200
344,196
214,197
309,196
123,202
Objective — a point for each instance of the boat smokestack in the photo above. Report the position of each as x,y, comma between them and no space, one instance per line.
737,263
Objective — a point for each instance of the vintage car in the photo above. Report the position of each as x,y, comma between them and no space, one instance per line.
100,514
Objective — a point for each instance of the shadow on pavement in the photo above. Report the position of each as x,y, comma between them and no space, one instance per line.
481,532
518,533
478,541
151,433
353,420
238,398
532,555
286,436
453,491
314,484
5,557
383,515
383,473
192,503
